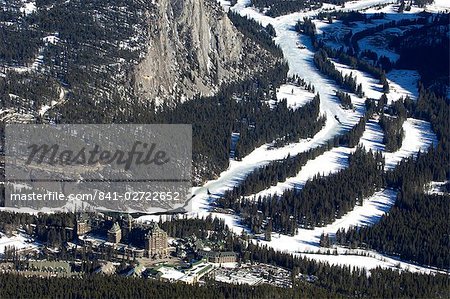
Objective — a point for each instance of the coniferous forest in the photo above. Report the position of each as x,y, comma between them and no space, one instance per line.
380,284
85,66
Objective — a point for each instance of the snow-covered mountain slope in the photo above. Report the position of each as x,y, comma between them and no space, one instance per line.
419,136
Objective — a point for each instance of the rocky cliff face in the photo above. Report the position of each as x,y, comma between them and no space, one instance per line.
91,61
193,48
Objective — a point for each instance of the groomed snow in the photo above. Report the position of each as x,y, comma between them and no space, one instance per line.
403,83
372,138
307,240
439,6
419,136
330,162
371,261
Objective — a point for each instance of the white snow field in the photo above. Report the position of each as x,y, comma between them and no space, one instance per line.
372,139
439,6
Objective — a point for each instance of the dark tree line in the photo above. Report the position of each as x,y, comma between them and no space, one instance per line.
327,67
343,284
353,61
422,239
99,286
349,58
275,8
306,27
346,100
210,228
393,131
256,32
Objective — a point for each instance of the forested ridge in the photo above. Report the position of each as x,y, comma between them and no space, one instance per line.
240,108
326,66
279,170
319,202
416,229
431,39
393,132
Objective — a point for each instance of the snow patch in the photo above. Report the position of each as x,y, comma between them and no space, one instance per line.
295,96
28,8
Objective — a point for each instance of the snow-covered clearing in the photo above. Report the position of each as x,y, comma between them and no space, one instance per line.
403,83
16,241
437,188
372,138
439,6
295,96
300,63
28,8
372,260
